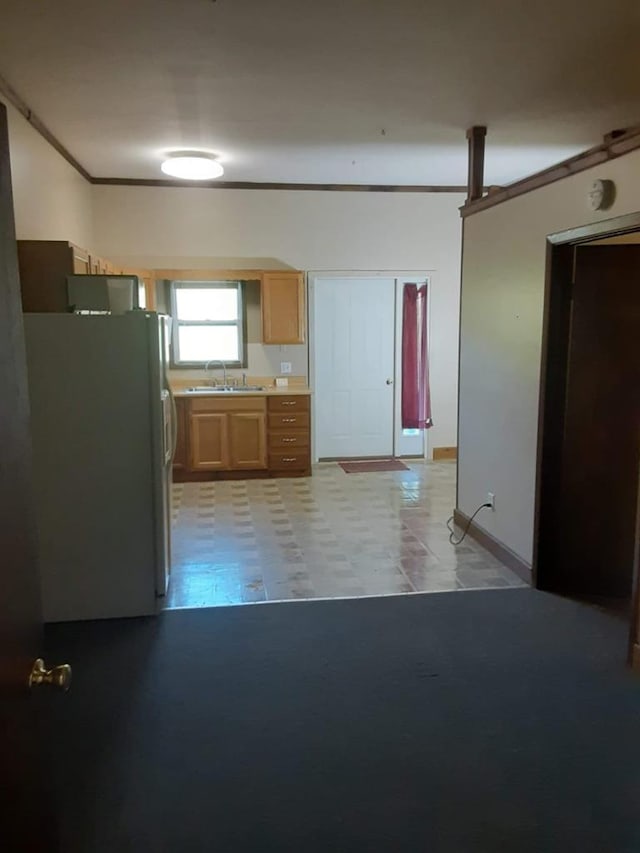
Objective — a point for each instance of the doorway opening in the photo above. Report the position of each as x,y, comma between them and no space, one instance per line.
586,528
356,325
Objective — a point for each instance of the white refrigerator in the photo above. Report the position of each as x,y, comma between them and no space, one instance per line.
102,421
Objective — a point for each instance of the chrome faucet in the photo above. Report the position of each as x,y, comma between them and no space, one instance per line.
224,369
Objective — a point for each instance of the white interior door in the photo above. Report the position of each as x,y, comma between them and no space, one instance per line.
354,342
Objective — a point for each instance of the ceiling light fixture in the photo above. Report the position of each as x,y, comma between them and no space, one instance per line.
192,166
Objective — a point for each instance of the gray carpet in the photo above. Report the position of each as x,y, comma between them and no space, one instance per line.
479,721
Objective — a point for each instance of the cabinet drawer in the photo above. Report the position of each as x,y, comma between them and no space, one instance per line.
289,420
283,440
288,459
227,404
297,403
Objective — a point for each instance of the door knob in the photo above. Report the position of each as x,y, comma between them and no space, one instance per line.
389,381
59,676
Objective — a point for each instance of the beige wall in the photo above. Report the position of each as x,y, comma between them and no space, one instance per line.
502,303
51,200
320,231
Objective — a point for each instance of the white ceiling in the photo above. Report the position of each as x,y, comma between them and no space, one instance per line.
301,91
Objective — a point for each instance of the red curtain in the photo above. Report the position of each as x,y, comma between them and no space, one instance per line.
416,396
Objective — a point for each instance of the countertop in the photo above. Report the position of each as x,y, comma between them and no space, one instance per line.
290,391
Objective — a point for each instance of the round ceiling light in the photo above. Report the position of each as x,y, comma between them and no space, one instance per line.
192,167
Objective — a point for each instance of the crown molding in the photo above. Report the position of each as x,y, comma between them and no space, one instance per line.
9,94
614,146
256,185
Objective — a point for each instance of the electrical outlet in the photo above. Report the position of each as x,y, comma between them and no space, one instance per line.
491,499
285,367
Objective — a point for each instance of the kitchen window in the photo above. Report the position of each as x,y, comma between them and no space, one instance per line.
208,323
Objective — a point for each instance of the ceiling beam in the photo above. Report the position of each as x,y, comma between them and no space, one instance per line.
617,146
475,179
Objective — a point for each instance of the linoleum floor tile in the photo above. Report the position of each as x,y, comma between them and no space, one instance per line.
330,535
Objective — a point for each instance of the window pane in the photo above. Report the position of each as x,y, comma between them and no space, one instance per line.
202,343
207,303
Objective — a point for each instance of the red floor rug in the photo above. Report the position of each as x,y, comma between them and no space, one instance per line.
368,466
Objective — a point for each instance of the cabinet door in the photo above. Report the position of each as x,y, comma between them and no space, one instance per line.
81,262
248,440
283,319
209,441
149,283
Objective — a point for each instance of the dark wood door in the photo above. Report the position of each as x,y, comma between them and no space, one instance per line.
598,496
26,809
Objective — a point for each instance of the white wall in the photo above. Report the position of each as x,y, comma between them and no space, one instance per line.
502,303
51,200
320,231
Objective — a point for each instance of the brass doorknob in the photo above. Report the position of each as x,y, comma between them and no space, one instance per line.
59,676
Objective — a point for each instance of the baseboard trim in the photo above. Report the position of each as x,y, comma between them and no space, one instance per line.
635,656
510,559
441,454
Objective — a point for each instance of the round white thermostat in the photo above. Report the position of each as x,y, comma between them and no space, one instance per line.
601,194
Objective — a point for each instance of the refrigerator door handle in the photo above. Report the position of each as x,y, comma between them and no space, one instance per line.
174,423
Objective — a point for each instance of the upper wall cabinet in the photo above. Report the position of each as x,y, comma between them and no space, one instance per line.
44,267
45,264
283,315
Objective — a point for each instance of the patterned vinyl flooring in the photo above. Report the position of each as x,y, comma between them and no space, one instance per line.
332,535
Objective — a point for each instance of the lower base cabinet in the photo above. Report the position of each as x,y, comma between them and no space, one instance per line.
242,436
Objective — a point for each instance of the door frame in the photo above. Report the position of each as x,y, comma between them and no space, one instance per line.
551,407
312,276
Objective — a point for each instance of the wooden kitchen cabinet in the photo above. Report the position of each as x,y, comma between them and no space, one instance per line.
148,281
81,261
100,266
290,434
148,285
227,436
283,309
209,441
44,266
247,440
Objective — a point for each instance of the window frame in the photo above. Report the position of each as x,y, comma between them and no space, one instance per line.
241,324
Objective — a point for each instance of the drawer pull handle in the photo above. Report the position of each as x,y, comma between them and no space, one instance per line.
289,402
289,458
289,420
289,440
